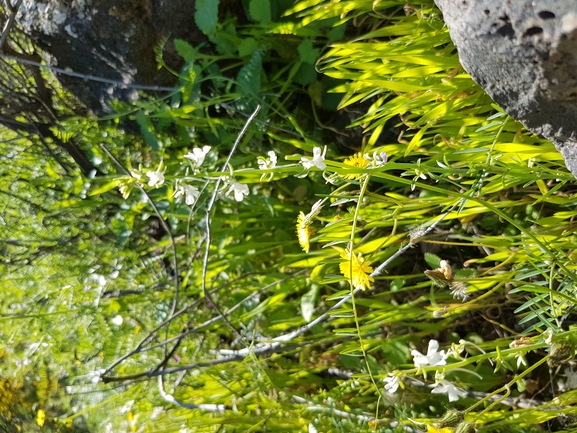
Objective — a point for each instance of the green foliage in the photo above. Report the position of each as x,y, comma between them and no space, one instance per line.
206,16
260,10
94,285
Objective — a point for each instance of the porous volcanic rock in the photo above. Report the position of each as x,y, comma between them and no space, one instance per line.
523,53
113,39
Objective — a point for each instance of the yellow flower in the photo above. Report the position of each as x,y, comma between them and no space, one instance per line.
304,232
40,417
432,429
357,161
361,270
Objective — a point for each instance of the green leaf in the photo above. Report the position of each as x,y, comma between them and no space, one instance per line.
307,53
336,33
306,74
249,76
260,11
247,47
147,129
433,260
206,15
184,49
397,284
104,188
308,303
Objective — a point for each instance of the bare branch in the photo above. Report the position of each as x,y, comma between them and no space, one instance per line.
317,408
209,210
89,77
10,22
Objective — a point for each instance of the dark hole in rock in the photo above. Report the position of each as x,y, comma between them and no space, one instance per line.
546,15
506,30
505,18
487,12
533,31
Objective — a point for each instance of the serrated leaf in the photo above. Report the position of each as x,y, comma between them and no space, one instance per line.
259,10
433,260
184,50
307,53
206,15
248,78
465,273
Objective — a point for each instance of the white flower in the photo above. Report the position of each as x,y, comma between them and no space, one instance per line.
156,178
117,320
459,290
521,360
317,161
239,190
94,376
156,411
392,383
267,163
571,382
445,387
126,407
433,357
191,193
197,155
378,159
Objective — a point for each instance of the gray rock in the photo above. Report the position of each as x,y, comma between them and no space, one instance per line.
524,54
112,39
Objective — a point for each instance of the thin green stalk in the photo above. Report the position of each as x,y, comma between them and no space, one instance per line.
351,253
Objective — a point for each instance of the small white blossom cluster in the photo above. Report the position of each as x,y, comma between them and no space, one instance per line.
433,358
267,164
184,191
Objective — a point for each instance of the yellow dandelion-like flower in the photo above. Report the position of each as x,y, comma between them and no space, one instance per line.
304,232
360,276
357,161
40,417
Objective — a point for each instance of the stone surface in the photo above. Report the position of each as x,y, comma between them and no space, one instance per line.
524,54
113,39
